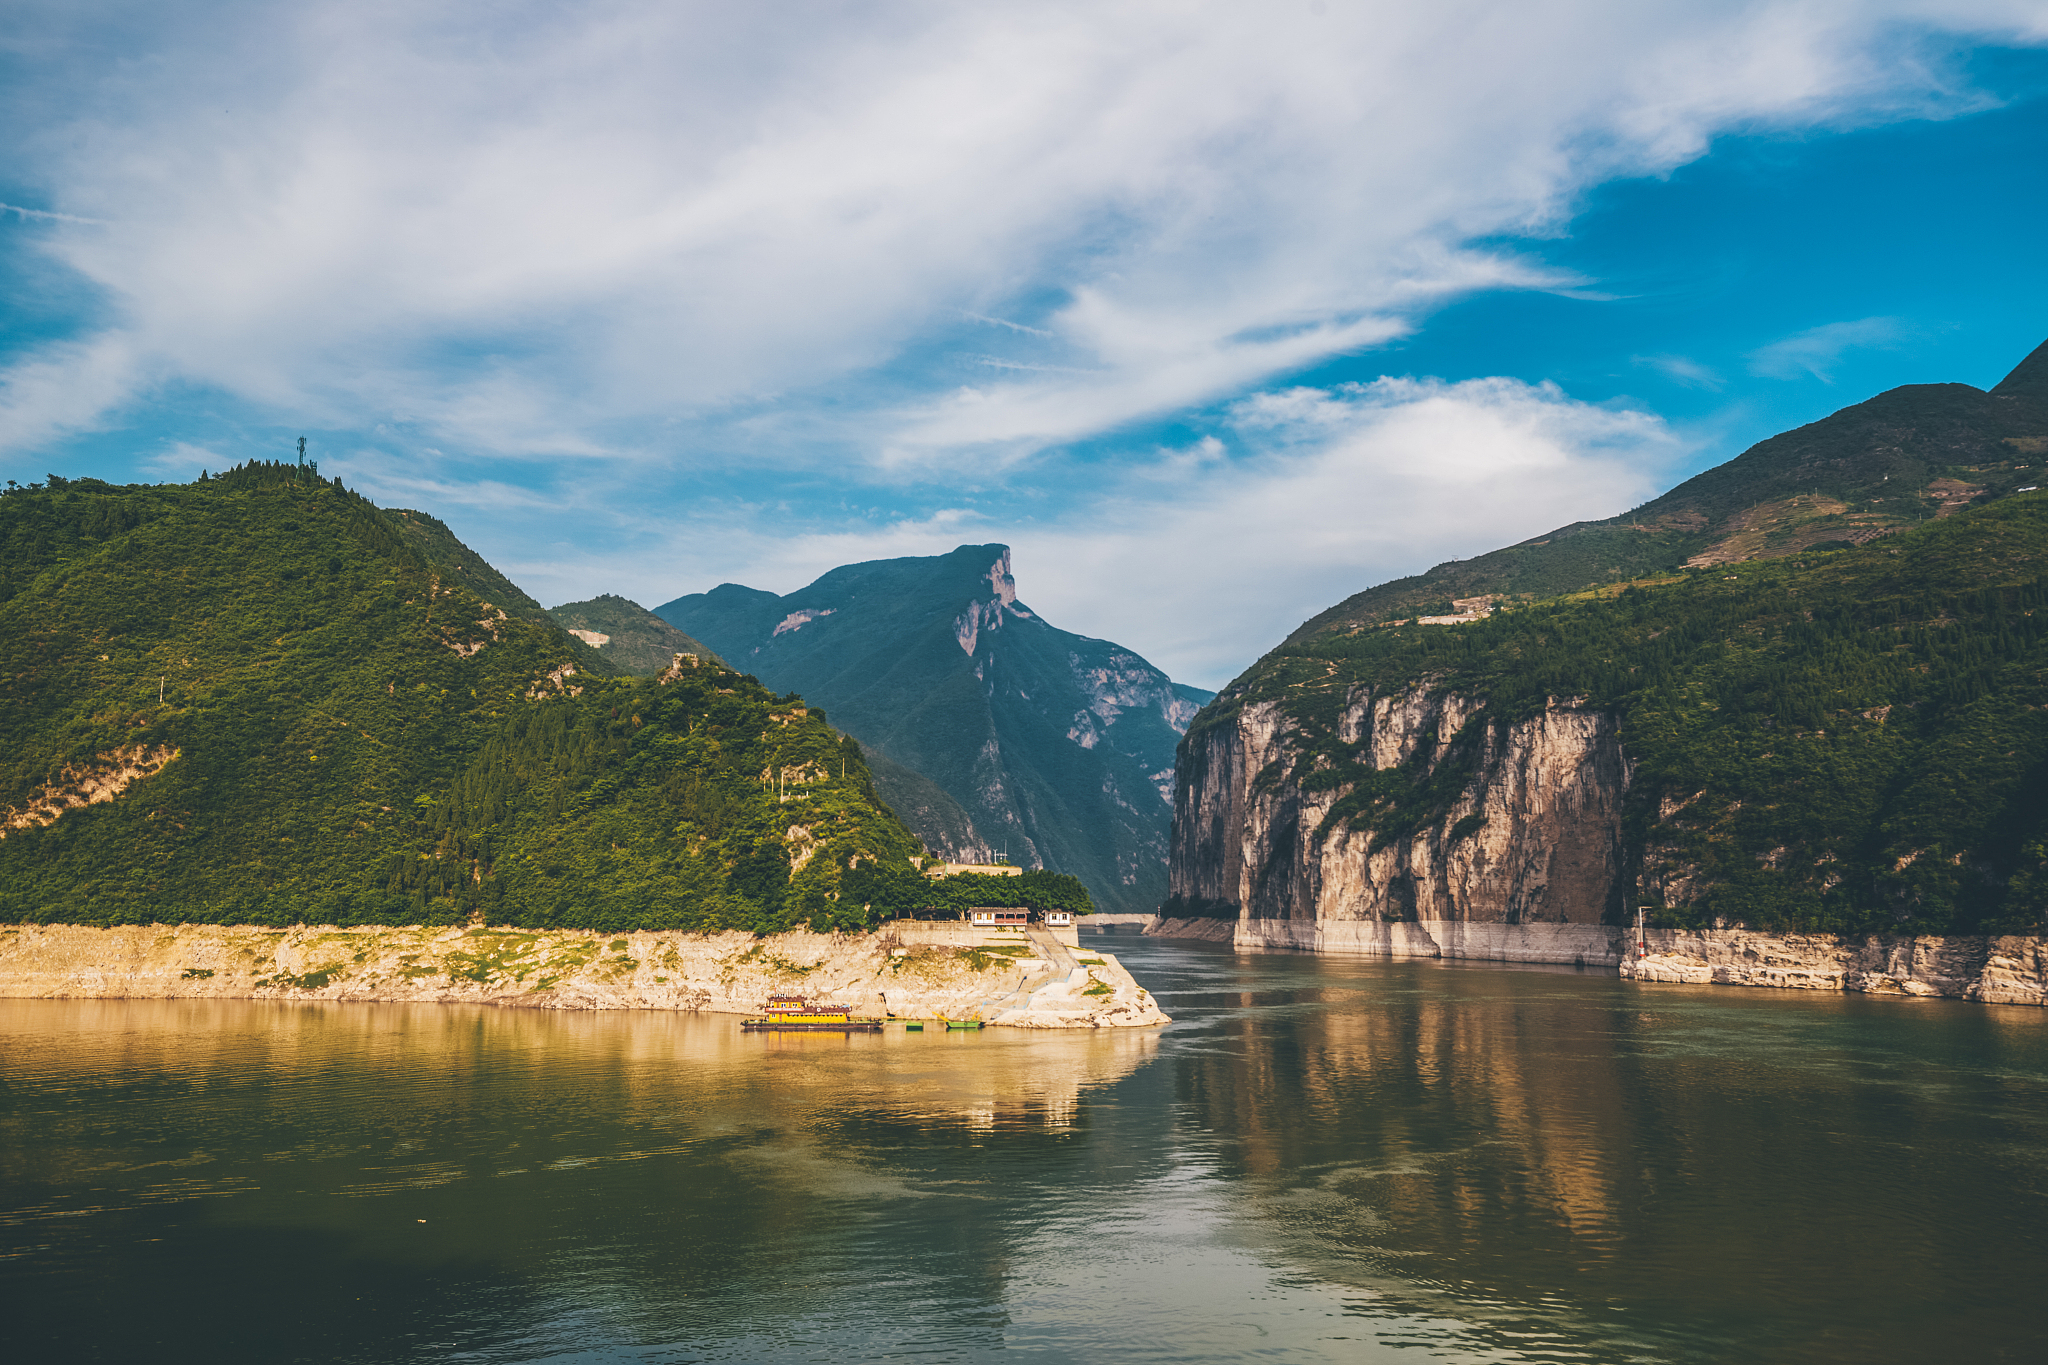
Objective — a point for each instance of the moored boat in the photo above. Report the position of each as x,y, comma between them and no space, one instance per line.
795,1014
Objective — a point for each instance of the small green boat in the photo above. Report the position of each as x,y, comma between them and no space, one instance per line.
961,1023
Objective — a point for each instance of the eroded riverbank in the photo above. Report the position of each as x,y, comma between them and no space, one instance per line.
1993,970
2007,969
903,971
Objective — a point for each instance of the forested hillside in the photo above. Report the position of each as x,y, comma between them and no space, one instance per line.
1844,739
261,699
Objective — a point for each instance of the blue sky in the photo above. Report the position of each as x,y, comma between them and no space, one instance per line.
1215,313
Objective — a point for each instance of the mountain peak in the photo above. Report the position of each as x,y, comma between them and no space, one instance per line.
999,577
989,728
2029,378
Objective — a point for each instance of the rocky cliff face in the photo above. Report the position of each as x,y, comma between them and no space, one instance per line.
1547,876
1527,829
1826,655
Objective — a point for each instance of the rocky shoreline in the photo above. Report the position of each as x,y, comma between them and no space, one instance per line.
1995,970
909,970
1201,930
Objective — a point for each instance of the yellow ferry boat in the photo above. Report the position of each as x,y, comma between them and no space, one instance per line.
795,1014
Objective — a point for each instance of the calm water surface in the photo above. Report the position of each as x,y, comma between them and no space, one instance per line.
1320,1160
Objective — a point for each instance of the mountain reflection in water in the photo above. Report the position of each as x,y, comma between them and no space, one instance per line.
1320,1160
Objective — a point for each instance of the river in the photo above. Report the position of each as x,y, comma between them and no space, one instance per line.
1320,1159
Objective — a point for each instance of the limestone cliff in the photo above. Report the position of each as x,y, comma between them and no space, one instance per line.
1527,829
1527,857
1850,743
1799,728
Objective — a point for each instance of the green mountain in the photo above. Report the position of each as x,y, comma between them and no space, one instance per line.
1833,723
1906,457
261,699
626,635
991,730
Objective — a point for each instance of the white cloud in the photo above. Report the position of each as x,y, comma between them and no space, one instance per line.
1204,557
569,228
182,462
65,387
746,264
1346,488
1819,350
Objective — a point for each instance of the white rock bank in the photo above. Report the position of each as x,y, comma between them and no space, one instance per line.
907,971
1997,970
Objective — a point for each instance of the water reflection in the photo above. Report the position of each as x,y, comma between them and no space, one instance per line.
620,1174
1321,1160
1795,1177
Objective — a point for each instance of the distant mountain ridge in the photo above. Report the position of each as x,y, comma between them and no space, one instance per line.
988,729
2029,378
1911,455
631,638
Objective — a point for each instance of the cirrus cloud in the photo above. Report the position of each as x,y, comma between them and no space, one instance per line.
1818,351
